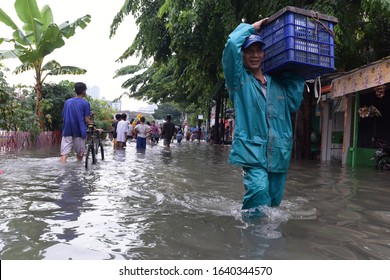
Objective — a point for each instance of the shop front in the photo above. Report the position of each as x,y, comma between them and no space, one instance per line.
356,114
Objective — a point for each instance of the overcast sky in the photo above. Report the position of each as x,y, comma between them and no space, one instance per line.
89,48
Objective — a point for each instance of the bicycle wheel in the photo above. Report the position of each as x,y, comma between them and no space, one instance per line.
101,150
96,147
93,153
87,156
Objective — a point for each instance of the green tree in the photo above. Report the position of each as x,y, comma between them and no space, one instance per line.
17,109
168,109
24,117
55,96
39,37
362,35
6,103
185,44
103,113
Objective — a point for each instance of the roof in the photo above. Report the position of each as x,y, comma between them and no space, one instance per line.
369,76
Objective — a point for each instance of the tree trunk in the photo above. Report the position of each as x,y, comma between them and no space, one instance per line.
219,98
39,97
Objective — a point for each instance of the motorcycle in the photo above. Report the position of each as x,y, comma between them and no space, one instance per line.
382,155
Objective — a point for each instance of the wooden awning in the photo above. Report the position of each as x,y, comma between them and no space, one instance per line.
370,76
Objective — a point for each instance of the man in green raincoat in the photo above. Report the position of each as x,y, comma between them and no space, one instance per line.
262,142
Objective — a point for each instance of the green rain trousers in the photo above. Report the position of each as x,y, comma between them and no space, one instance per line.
262,187
262,141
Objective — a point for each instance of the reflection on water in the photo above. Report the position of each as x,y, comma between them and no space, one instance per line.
184,203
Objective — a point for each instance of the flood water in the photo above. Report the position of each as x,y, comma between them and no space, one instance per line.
184,203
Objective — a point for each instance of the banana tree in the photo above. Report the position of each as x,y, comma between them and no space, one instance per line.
39,37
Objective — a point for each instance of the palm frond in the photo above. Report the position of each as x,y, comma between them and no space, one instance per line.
6,54
51,65
24,67
67,70
68,29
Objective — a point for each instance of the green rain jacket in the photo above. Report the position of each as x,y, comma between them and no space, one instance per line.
263,129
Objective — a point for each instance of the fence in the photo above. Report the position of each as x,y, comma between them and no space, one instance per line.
11,141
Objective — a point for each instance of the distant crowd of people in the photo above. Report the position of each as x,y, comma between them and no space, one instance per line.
143,132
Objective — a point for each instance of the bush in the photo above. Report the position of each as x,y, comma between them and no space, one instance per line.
54,97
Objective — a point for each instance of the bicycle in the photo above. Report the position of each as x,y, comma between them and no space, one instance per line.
93,145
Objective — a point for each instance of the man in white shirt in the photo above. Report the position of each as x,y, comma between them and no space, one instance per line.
122,130
142,129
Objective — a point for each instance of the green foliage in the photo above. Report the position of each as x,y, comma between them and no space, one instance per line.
54,97
168,109
363,31
24,117
154,41
193,111
102,113
176,71
39,37
6,103
17,108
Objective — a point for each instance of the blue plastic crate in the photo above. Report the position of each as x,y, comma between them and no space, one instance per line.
299,41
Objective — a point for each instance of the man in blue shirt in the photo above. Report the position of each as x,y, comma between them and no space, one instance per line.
76,117
262,141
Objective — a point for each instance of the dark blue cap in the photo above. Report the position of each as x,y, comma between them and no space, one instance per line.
254,38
